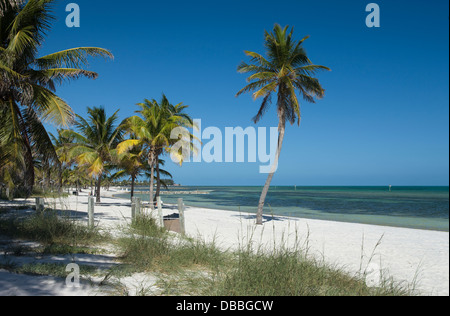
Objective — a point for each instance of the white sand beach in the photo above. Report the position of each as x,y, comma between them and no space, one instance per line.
405,254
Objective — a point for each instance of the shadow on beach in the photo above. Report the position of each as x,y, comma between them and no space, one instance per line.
266,218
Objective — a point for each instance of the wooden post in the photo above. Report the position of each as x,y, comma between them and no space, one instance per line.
133,209
91,203
181,211
39,205
160,213
138,206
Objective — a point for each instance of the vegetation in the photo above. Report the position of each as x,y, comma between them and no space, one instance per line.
27,90
182,265
52,230
285,71
95,143
152,133
96,149
194,267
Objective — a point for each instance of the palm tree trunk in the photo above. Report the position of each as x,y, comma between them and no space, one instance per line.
152,178
262,200
151,162
158,181
133,180
98,189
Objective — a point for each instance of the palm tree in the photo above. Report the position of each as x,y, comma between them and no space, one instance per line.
133,163
62,147
285,71
153,130
28,84
95,143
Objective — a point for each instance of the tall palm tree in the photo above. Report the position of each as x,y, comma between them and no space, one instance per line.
28,83
153,131
95,144
284,72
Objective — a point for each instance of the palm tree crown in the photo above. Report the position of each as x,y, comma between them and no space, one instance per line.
286,71
95,143
152,130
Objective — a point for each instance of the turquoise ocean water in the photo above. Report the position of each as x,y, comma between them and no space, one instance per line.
411,207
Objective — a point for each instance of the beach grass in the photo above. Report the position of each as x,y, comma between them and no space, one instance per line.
192,267
189,266
47,269
148,247
289,273
58,234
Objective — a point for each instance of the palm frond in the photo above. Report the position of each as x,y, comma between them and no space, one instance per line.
72,58
52,108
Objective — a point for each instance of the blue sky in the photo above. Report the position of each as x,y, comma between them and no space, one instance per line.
384,119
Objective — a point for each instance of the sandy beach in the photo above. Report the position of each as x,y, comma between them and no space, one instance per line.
408,255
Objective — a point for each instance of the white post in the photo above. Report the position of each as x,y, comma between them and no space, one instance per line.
39,205
133,209
91,203
138,206
160,213
181,211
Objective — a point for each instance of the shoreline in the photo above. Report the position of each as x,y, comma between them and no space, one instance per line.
367,220
293,218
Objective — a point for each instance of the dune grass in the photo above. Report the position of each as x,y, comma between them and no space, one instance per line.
148,247
187,266
193,267
58,234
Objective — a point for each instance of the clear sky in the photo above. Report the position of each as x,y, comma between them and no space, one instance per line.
384,119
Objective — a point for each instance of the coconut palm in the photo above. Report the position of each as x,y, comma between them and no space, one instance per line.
284,72
62,147
28,84
152,130
95,143
133,163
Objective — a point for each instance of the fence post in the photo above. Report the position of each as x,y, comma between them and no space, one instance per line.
160,213
181,211
133,209
39,205
138,206
91,203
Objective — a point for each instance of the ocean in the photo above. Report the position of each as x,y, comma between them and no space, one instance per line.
420,207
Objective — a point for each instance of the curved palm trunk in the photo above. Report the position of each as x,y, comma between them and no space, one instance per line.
151,161
133,180
158,182
262,200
